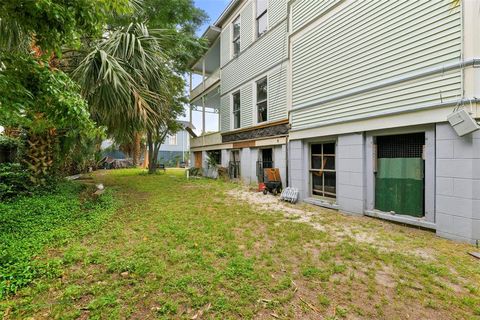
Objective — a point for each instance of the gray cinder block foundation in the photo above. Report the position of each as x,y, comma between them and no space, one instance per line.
350,173
457,184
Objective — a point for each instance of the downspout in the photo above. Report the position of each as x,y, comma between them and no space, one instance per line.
287,145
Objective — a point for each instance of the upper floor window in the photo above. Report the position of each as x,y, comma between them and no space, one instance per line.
236,110
236,37
262,100
262,23
172,140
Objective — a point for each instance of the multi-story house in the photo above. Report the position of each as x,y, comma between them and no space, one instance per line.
369,88
245,79
174,151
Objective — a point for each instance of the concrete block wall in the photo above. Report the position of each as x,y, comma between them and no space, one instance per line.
192,160
298,173
280,161
457,199
225,158
350,166
204,160
252,173
245,165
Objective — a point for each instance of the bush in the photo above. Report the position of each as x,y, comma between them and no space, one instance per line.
10,148
14,180
30,224
195,172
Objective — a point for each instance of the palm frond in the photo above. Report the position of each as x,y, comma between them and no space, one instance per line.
12,37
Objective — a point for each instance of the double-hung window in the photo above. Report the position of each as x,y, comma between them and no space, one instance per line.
322,170
172,140
262,104
236,37
236,110
262,23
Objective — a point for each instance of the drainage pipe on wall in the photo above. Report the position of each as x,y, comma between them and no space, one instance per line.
393,81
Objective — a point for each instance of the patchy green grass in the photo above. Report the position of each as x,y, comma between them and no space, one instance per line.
187,249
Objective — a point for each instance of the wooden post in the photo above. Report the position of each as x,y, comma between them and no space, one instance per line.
203,115
203,73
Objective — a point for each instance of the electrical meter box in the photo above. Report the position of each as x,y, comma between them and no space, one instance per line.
462,122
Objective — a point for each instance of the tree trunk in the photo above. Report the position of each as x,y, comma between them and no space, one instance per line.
152,160
40,155
154,141
136,148
12,132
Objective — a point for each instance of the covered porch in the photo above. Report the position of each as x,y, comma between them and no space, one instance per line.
205,82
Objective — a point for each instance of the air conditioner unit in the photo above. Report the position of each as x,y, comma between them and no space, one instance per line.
462,122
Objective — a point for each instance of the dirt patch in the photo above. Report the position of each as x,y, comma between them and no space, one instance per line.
271,203
385,277
424,253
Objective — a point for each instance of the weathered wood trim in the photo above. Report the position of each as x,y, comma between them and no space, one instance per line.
272,129
244,144
263,125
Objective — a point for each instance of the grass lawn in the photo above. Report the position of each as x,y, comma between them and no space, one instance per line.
208,249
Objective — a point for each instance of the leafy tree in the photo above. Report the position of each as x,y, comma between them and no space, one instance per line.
128,73
180,15
53,24
34,95
49,107
132,82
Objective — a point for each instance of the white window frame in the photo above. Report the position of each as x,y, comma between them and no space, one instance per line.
172,140
264,78
311,170
257,17
239,38
239,110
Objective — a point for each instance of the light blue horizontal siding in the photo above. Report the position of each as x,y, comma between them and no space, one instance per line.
225,45
225,113
392,99
304,11
265,53
246,26
367,43
246,105
277,95
277,11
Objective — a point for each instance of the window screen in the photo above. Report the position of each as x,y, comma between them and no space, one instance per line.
262,105
236,37
262,23
236,110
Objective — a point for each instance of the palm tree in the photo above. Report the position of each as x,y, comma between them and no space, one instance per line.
127,79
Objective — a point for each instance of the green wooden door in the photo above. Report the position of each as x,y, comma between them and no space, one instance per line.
399,186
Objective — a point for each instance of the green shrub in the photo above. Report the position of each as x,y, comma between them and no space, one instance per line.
14,180
10,149
195,172
29,224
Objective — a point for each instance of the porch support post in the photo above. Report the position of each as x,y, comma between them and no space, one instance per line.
203,114
203,97
203,74
190,114
190,81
